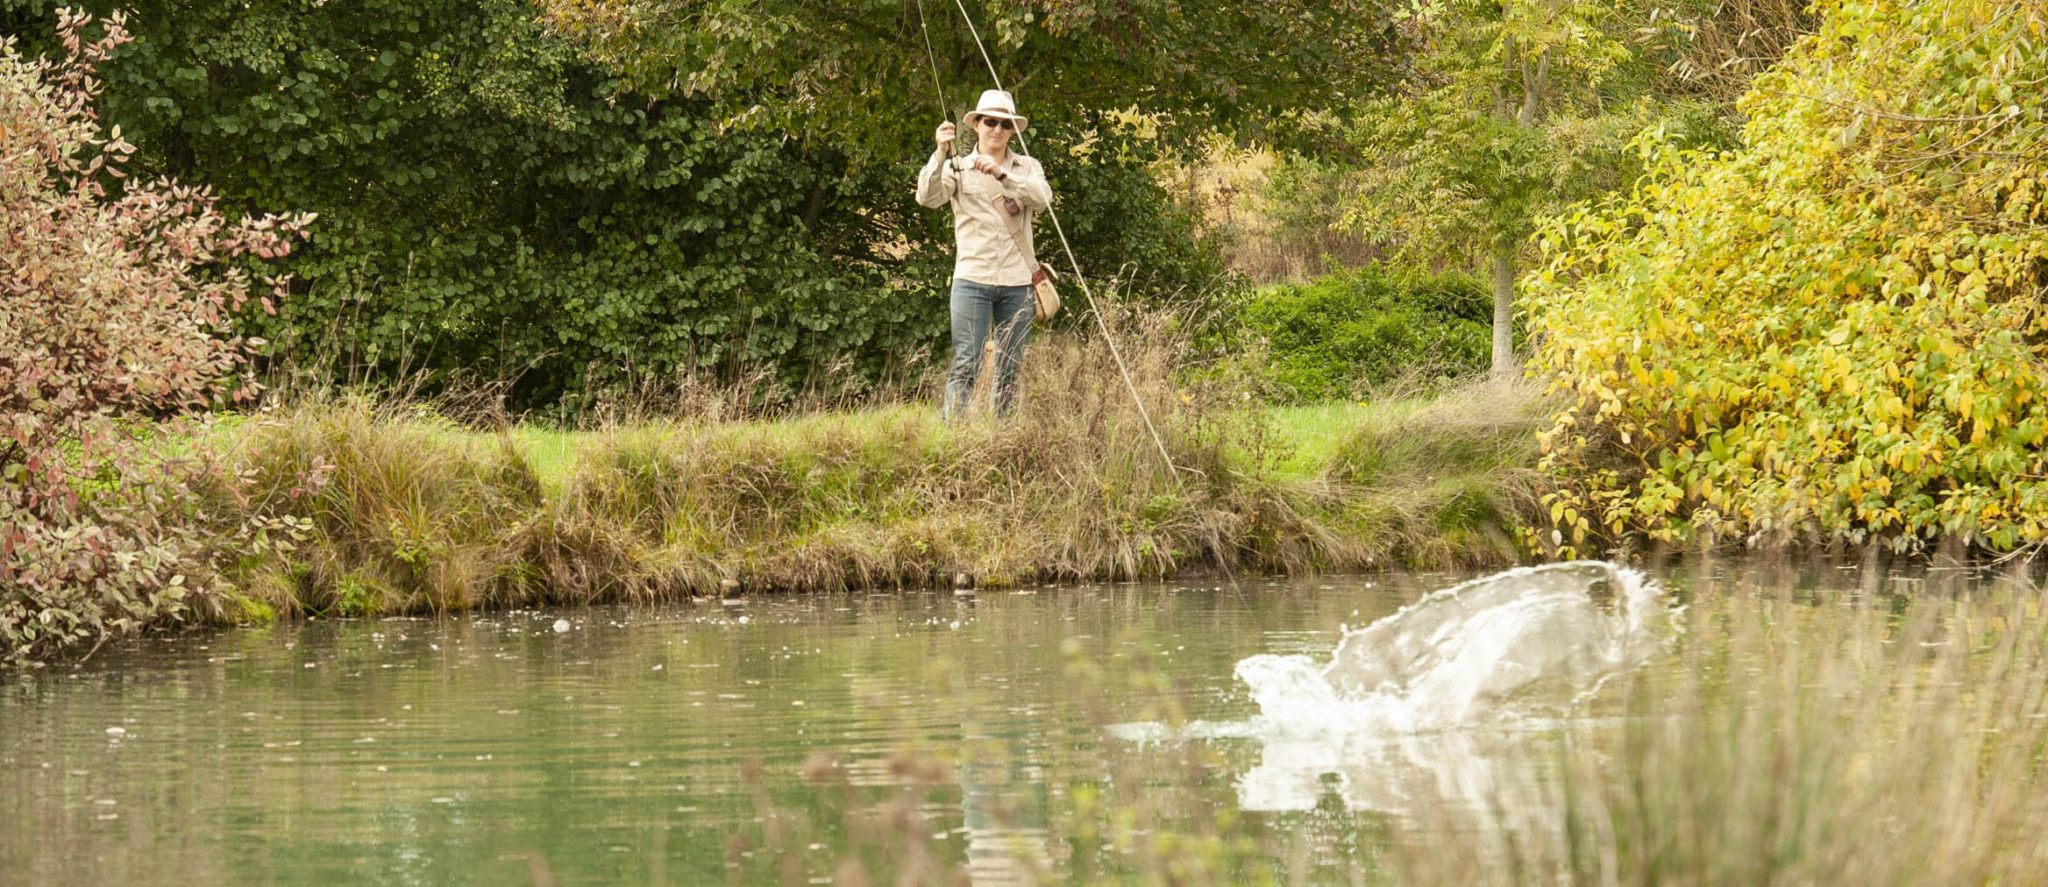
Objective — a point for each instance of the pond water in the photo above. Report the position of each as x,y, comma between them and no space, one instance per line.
779,740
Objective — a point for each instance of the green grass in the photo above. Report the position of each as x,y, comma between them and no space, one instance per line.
552,453
1304,438
348,507
556,454
418,516
412,512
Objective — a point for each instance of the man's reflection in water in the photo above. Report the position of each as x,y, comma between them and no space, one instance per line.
1002,802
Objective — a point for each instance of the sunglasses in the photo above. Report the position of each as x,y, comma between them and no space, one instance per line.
996,122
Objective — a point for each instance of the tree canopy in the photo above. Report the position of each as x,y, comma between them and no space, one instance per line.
582,202
853,72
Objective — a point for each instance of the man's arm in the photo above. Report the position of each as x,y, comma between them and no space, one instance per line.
938,181
1028,185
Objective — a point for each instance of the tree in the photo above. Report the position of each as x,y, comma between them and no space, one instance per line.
853,73
1517,107
1836,332
495,204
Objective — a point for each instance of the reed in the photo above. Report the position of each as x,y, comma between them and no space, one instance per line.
1787,738
421,514
1902,745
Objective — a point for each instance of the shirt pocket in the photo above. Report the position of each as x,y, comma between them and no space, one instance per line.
974,184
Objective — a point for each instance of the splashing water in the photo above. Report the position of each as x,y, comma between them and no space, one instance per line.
1389,722
1461,653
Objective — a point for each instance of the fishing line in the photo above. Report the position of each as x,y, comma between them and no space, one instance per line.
1115,353
945,113
1123,369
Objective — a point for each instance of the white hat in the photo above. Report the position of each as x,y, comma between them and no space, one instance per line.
998,104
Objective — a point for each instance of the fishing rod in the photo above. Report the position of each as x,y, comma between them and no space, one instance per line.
932,55
1123,369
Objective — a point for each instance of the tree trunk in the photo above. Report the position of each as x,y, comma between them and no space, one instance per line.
1533,83
1504,366
1535,74
814,205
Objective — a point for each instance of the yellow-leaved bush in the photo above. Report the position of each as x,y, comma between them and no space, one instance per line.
1835,332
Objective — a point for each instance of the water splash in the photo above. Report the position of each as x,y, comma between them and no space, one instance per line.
1468,652
1441,705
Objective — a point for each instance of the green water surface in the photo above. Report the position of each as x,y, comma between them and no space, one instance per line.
755,743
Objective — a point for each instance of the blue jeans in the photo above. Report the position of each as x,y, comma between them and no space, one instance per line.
976,308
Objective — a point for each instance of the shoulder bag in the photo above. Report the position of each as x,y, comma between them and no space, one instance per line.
1044,281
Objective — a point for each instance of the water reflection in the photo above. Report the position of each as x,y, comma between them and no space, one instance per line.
670,746
491,747
1411,776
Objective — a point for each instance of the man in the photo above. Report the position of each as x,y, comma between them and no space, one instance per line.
995,195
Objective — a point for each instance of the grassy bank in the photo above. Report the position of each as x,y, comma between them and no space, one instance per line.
418,514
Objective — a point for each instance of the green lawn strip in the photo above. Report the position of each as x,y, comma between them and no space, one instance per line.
1303,440
1307,438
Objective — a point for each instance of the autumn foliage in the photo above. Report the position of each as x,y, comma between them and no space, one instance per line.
115,300
1837,332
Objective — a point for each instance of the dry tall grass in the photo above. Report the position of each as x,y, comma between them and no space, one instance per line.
421,515
1272,231
1888,737
1877,740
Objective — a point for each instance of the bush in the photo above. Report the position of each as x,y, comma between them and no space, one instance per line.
1838,332
118,301
1343,333
495,206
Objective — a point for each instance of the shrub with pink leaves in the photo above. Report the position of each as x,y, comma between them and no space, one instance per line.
116,300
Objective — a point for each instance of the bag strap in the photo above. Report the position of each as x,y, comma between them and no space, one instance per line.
1016,233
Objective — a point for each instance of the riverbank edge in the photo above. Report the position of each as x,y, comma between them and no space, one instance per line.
406,514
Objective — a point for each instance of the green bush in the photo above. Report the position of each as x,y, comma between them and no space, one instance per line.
1348,331
1836,332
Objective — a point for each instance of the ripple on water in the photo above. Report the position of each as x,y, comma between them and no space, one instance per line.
456,749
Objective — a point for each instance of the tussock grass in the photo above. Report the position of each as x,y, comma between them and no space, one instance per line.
419,514
1453,478
1883,741
1787,737
411,516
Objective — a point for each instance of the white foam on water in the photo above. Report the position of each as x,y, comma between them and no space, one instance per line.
1438,702
1468,653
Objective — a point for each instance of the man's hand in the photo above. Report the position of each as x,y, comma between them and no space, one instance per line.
986,165
944,136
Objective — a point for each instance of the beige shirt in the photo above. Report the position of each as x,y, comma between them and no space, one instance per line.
988,252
